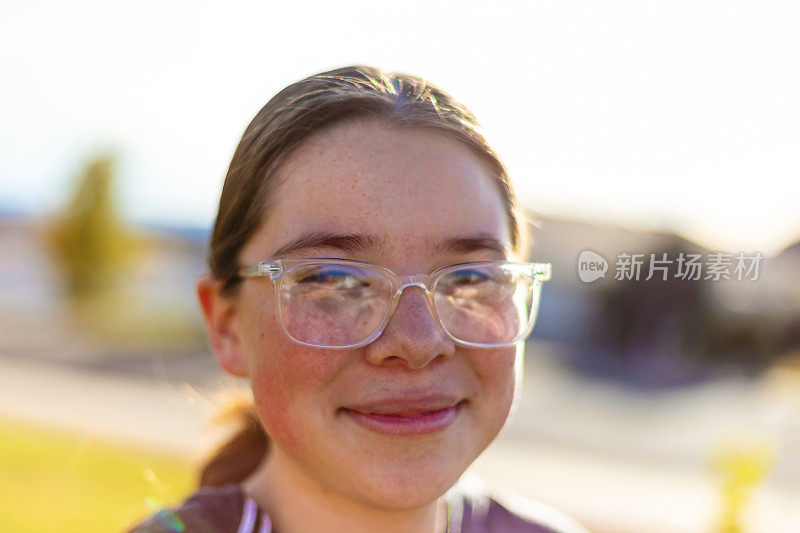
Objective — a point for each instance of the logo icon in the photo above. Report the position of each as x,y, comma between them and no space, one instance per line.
591,266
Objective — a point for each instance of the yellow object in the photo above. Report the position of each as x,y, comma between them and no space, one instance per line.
740,466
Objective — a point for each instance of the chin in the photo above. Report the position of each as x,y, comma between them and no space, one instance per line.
410,484
403,494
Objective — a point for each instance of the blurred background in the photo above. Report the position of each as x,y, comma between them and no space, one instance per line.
669,404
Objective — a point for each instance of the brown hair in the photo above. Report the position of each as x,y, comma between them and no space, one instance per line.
298,110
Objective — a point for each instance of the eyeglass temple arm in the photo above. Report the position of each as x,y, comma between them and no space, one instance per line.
264,268
542,271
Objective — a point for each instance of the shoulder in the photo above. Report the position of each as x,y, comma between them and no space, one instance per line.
208,510
477,506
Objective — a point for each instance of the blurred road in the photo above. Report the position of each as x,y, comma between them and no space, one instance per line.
619,461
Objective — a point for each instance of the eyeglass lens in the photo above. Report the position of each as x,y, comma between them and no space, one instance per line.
339,305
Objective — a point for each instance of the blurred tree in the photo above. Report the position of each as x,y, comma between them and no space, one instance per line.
88,238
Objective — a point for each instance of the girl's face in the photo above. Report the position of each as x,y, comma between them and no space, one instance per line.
416,201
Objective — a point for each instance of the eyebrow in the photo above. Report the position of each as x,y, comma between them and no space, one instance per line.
472,244
355,242
346,242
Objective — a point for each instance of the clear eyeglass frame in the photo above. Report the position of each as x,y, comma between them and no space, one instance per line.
276,269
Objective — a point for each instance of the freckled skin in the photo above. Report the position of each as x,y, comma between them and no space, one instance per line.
414,189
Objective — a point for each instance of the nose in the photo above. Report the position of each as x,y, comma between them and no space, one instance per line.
412,335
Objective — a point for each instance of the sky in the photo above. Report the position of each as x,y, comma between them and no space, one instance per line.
678,115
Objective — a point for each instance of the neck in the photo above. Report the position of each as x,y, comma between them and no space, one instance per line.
296,503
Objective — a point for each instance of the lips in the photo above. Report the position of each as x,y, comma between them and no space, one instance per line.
406,415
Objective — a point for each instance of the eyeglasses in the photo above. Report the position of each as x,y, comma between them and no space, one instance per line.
340,303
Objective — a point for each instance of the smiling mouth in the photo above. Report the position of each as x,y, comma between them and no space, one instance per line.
406,420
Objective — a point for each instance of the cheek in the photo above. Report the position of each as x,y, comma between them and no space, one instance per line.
497,372
273,405
289,384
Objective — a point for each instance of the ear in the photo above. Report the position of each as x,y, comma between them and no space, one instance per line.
222,325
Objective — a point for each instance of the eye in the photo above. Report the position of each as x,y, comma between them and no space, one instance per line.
462,279
466,276
336,277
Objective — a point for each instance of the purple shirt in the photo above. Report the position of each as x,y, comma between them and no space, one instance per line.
472,509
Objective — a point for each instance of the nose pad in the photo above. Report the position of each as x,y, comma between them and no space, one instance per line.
412,333
414,302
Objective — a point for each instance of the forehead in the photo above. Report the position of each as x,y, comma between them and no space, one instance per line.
411,188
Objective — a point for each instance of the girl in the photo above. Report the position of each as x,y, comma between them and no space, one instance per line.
365,279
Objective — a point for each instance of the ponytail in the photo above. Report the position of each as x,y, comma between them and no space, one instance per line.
240,455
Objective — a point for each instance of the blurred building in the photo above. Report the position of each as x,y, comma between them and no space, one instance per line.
661,332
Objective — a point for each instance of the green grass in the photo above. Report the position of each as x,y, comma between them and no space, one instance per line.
57,481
